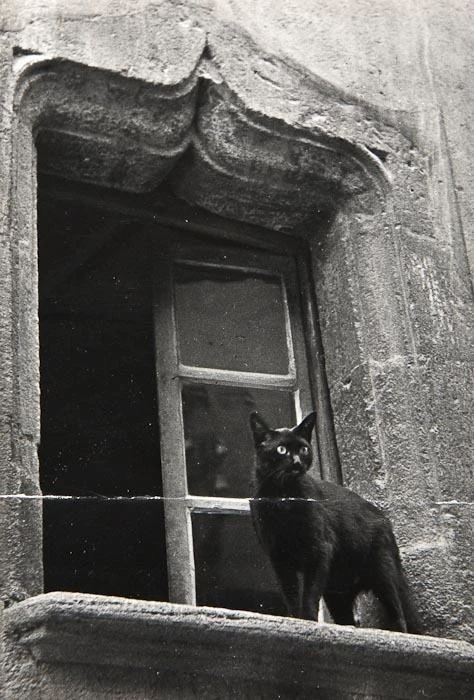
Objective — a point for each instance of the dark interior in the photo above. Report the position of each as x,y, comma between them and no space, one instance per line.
99,416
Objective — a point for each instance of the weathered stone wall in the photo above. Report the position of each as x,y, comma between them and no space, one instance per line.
414,57
392,275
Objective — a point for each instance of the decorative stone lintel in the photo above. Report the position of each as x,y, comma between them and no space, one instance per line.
295,655
96,126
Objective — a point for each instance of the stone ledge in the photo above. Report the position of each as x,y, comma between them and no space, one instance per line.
294,655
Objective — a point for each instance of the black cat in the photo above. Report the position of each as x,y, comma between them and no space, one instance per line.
328,542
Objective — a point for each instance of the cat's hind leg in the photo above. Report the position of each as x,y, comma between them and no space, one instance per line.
340,606
314,583
290,585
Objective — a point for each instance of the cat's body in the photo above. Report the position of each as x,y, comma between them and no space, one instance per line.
322,538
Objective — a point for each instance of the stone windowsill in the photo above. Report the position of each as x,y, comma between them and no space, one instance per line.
73,628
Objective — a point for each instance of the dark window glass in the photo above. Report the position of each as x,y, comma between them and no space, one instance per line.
220,452
230,320
232,571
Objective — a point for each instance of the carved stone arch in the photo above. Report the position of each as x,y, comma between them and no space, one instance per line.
344,181
97,126
259,169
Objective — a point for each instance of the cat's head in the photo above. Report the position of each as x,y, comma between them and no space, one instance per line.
282,452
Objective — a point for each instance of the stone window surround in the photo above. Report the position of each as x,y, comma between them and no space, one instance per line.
55,101
95,126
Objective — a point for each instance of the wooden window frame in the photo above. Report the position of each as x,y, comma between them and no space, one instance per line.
172,375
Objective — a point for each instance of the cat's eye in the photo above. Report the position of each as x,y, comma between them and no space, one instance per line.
282,450
304,450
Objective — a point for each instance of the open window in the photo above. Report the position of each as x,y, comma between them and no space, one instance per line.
156,344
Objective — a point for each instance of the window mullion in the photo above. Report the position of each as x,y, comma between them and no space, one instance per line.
179,544
327,446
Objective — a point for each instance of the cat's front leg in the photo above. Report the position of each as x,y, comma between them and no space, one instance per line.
314,584
290,585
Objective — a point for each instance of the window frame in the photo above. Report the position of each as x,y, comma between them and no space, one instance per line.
172,375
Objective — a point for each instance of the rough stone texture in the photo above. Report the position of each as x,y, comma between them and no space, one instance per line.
391,377
294,107
88,646
86,144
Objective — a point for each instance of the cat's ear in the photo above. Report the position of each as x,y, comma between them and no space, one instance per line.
305,428
260,429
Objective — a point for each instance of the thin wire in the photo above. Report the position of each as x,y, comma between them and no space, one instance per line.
186,499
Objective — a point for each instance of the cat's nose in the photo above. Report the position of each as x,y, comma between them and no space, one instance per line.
297,465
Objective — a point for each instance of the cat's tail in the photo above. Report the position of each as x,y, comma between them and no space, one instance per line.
410,612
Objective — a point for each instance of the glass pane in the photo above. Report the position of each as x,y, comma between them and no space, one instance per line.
232,571
82,551
220,453
231,320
